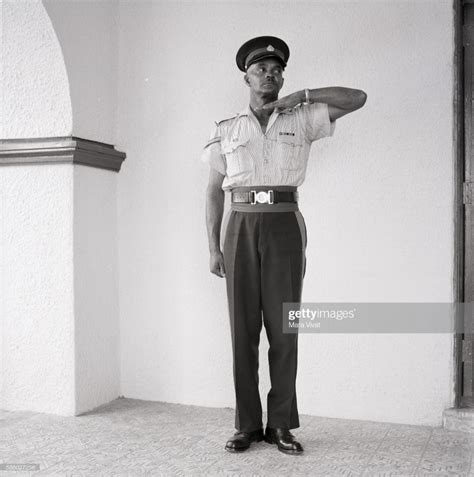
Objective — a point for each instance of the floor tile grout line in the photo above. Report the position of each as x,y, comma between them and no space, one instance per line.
210,465
470,465
314,418
375,451
424,450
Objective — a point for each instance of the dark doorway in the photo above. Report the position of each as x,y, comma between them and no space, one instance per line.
464,193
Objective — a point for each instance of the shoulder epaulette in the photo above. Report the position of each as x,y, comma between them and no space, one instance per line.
223,120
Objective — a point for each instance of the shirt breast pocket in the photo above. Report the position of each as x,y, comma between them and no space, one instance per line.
238,158
290,149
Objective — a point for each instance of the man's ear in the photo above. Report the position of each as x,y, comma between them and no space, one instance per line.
246,79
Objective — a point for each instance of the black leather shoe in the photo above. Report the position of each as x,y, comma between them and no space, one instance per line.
241,441
284,439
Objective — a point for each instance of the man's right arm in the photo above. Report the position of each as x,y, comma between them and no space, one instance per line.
215,197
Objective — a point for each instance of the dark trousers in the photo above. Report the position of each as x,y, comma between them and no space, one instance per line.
264,260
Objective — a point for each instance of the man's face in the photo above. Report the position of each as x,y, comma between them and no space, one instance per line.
265,76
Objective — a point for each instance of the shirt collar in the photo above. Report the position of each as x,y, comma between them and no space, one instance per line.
248,112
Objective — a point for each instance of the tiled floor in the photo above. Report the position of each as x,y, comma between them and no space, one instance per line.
133,437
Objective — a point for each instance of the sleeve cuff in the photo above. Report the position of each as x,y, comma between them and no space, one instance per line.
211,156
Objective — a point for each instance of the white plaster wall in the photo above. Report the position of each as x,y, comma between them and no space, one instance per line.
58,288
377,200
95,287
36,298
37,293
87,32
35,99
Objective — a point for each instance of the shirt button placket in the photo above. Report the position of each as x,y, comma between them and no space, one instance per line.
265,160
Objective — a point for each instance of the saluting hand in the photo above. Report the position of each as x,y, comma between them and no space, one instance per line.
287,102
217,264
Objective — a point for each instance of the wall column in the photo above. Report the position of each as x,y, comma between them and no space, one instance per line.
59,283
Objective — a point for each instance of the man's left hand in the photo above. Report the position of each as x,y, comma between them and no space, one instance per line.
287,102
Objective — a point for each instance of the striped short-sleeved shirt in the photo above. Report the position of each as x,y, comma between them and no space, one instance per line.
238,148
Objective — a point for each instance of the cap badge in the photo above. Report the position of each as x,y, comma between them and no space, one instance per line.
270,48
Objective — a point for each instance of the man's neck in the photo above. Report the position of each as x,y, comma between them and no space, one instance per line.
257,102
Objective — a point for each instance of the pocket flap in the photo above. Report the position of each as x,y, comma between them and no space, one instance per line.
230,146
290,140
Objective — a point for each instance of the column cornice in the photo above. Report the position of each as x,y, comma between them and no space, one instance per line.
62,149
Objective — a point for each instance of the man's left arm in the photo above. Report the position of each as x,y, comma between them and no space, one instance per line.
340,100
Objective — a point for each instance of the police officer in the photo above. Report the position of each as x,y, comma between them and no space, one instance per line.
260,156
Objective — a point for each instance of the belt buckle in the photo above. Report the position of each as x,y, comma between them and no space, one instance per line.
262,197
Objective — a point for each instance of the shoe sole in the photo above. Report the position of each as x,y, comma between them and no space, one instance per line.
243,449
269,440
